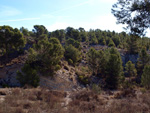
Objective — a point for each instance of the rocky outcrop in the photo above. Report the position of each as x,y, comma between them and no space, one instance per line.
129,57
124,55
8,75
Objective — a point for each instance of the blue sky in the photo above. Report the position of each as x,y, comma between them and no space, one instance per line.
59,14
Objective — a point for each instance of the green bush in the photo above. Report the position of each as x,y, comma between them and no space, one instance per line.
143,60
146,77
143,90
46,55
126,84
111,43
96,88
11,39
70,62
28,76
73,42
114,69
83,79
72,53
92,59
130,69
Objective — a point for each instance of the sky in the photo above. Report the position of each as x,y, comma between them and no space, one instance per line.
59,14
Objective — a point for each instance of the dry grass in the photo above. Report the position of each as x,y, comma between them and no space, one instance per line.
32,101
89,102
85,102
39,100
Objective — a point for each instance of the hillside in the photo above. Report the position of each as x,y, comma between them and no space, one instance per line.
74,70
66,76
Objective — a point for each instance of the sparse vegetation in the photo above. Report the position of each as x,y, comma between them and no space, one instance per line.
44,100
90,66
77,71
32,100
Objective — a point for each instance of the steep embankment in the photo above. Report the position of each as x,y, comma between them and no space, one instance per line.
8,71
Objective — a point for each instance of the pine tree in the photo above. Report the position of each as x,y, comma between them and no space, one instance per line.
134,14
145,81
46,55
114,69
101,62
111,43
130,69
11,39
72,54
92,58
133,47
142,61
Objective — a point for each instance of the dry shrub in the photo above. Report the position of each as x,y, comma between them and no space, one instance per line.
84,101
47,101
16,91
88,106
145,98
126,106
140,104
59,94
88,102
83,107
27,105
126,93
19,110
32,101
86,96
32,97
119,107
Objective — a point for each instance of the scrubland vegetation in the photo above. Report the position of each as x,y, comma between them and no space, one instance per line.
17,100
99,62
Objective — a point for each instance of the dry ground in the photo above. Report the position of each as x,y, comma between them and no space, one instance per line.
39,100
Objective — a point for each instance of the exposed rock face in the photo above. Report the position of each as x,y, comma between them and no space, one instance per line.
65,79
131,57
8,75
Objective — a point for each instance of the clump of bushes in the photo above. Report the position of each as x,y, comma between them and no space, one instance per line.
146,77
36,100
96,88
83,79
72,54
46,56
28,76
